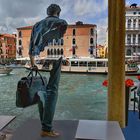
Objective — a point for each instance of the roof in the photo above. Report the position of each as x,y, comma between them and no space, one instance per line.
7,35
25,28
82,25
69,26
100,46
132,7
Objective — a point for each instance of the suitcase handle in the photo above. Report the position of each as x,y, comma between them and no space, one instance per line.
36,72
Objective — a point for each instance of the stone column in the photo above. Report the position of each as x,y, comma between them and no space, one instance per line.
116,56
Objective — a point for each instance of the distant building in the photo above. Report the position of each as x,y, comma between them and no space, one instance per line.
132,30
7,46
101,51
132,38
80,40
106,45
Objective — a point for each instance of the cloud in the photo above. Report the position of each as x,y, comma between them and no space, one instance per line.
102,30
90,8
129,2
19,8
18,13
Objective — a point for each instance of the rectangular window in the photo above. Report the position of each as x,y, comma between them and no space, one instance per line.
92,64
100,64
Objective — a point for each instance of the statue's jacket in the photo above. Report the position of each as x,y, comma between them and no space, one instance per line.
44,32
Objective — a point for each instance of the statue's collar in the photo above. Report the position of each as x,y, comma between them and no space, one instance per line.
53,16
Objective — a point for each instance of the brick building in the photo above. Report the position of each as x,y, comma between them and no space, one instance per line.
80,40
7,46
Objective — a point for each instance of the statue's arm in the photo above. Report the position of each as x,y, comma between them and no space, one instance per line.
31,47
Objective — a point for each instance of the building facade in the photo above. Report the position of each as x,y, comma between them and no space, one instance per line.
101,52
132,30
7,46
80,40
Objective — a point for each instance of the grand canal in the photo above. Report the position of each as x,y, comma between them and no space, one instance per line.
80,97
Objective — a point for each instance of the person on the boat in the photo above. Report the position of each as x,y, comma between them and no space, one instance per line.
43,33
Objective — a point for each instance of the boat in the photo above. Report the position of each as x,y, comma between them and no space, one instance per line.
5,70
84,65
14,66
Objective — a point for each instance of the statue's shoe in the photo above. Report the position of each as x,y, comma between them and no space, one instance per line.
49,134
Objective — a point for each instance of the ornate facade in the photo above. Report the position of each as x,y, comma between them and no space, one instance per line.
133,30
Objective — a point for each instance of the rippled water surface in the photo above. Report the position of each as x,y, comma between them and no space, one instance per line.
80,97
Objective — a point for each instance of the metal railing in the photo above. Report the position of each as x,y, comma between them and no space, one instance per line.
135,99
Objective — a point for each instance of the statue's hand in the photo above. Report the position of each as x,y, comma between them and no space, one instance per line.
34,67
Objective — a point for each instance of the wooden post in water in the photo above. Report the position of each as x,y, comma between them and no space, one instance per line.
116,56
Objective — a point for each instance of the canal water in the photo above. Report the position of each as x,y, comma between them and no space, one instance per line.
80,97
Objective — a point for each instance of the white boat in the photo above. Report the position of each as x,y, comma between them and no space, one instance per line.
5,70
93,65
84,65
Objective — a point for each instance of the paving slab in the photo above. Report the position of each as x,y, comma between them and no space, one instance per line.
5,120
99,130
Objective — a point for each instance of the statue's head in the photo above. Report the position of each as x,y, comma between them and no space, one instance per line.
53,9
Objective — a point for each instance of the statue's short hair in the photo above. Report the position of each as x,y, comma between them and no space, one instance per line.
53,8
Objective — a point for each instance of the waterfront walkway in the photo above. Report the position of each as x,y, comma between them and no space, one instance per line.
31,129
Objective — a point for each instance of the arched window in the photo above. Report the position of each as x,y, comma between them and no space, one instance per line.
138,49
54,51
129,39
129,23
0,44
20,42
20,51
139,39
73,41
48,52
91,50
51,51
62,41
91,32
139,24
20,34
0,51
128,52
134,23
58,52
74,32
134,38
91,41
61,51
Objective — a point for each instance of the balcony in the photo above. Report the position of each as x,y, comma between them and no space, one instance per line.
132,44
132,28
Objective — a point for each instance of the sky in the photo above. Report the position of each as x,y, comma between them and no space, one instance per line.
19,13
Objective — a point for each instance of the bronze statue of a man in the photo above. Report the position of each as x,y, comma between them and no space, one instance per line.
43,33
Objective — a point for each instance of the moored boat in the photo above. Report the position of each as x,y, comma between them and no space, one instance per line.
5,70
